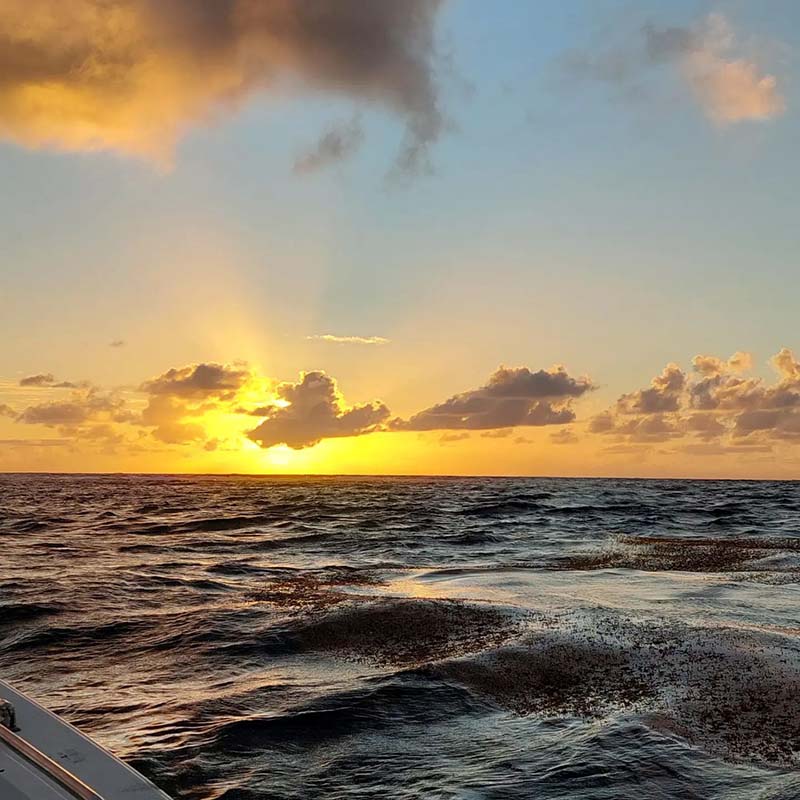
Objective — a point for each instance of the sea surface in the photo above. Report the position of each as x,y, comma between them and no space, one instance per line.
262,637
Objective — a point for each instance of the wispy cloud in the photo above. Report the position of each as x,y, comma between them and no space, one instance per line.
722,74
48,380
339,142
728,87
333,339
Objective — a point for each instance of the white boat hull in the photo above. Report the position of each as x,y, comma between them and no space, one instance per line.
37,760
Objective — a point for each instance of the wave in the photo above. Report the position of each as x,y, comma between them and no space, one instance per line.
502,508
655,553
380,705
404,631
14,613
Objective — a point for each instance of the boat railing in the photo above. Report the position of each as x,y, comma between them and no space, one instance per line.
51,768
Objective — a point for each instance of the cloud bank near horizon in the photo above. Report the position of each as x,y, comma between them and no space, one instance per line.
713,407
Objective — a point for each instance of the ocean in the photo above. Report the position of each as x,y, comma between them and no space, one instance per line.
341,637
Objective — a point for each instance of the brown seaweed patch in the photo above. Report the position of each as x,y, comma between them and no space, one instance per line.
735,694
314,591
741,699
553,676
655,553
406,631
770,578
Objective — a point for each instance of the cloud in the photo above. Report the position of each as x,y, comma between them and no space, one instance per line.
47,379
179,397
313,409
663,394
714,404
7,411
338,143
564,436
209,380
602,423
787,365
651,428
499,433
452,438
729,86
117,343
41,379
333,339
728,89
133,75
34,443
712,449
81,408
711,366
171,420
512,397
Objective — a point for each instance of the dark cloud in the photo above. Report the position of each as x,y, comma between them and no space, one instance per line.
47,379
220,381
512,397
338,143
41,379
182,395
705,426
650,428
664,394
132,75
315,410
78,410
776,423
665,44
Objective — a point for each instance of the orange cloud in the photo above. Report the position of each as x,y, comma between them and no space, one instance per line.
728,89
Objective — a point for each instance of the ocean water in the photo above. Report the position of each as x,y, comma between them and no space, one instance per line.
261,637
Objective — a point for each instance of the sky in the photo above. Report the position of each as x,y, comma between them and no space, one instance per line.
454,237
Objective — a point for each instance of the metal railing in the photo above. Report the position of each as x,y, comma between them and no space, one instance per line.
51,768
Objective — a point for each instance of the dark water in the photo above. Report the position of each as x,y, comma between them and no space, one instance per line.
245,638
